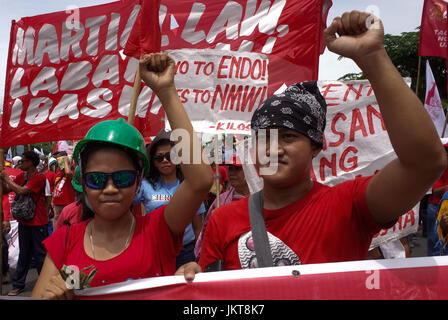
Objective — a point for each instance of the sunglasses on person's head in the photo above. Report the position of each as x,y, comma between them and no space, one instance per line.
159,157
121,179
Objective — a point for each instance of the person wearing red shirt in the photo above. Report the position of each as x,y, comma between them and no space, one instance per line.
7,217
112,157
307,222
438,189
33,232
72,213
63,193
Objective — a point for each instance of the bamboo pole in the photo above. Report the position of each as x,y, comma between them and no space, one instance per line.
133,108
418,74
217,173
134,98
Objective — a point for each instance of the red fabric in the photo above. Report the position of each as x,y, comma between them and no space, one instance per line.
71,213
151,253
9,197
64,193
67,89
443,181
434,27
329,224
145,35
36,183
415,283
297,51
51,177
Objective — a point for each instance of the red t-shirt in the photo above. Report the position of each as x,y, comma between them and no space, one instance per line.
72,213
223,177
64,193
36,183
9,197
329,224
151,253
51,177
443,181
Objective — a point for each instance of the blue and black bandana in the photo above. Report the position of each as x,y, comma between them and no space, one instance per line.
301,107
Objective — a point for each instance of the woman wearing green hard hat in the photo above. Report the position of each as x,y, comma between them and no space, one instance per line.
110,242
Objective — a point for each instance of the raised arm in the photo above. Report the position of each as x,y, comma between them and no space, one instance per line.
421,156
11,186
157,70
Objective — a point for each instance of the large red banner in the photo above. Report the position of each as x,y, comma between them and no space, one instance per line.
434,29
392,279
66,71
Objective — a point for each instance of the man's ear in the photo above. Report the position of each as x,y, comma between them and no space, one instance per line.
315,151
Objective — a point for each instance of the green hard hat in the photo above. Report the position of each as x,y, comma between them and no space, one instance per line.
76,180
116,132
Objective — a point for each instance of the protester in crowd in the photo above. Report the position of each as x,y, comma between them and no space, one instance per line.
238,190
15,161
7,218
49,188
72,213
223,182
444,225
113,160
34,231
63,193
432,209
52,164
308,222
163,180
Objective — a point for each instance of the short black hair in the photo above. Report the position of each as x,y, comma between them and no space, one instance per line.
32,156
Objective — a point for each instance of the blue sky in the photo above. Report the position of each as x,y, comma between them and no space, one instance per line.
397,15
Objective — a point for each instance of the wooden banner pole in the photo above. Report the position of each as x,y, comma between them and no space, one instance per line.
134,98
133,108
217,172
418,74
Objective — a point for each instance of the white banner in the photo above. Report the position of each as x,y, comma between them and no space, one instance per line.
220,89
357,144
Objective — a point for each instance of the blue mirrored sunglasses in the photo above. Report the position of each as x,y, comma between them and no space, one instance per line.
121,179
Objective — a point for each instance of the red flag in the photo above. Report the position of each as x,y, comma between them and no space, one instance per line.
434,28
145,35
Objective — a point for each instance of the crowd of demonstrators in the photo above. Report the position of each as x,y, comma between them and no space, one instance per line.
113,160
307,222
96,226
163,180
6,225
34,231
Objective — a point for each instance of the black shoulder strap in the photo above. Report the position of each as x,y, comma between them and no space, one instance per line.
259,234
66,242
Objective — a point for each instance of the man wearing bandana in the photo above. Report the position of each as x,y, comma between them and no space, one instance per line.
307,222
